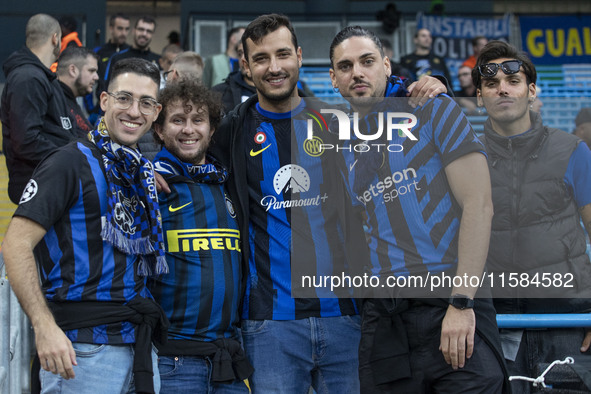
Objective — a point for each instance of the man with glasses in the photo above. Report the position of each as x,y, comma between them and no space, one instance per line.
541,182
90,218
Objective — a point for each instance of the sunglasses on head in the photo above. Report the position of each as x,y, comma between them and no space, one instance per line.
489,70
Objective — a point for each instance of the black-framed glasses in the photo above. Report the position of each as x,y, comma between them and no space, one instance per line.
124,100
166,74
489,70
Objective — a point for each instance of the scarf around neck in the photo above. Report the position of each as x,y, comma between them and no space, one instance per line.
132,222
211,172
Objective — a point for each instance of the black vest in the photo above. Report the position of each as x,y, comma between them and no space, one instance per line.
536,226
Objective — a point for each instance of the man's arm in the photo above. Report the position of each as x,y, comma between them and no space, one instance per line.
469,181
586,216
54,348
424,89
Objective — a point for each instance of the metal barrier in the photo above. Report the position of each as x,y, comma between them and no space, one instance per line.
543,320
15,341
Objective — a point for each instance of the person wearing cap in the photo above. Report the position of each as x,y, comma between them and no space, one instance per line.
541,189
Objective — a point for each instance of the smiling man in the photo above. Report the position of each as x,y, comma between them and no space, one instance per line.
541,182
89,216
293,343
201,294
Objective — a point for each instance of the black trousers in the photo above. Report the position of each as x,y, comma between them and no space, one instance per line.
428,372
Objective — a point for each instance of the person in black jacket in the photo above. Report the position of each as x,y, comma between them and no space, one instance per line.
237,87
33,110
142,38
77,73
541,189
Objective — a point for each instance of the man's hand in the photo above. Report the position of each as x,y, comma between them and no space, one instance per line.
161,185
55,350
457,336
424,89
586,341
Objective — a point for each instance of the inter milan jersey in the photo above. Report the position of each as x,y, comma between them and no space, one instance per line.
294,212
75,263
413,218
201,293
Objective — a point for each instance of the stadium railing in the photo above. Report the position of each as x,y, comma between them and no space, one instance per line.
15,344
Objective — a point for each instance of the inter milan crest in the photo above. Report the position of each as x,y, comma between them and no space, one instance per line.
230,207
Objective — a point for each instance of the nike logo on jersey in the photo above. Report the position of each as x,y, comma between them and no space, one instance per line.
352,165
254,153
171,209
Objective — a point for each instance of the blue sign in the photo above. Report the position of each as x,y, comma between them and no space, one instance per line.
557,40
452,36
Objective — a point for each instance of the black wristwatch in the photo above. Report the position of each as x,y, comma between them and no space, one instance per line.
461,301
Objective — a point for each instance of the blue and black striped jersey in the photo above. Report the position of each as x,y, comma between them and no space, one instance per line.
294,222
67,196
412,217
201,293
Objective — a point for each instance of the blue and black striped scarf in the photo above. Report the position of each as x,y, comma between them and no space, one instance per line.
133,223
211,172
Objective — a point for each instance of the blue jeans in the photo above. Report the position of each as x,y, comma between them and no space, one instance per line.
184,374
101,369
290,356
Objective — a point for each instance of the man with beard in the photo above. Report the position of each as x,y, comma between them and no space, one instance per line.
142,37
290,194
77,73
33,110
428,212
201,295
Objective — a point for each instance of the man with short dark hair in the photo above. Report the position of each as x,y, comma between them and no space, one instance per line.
292,343
33,108
142,38
422,61
89,217
77,72
541,182
119,30
201,295
428,210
